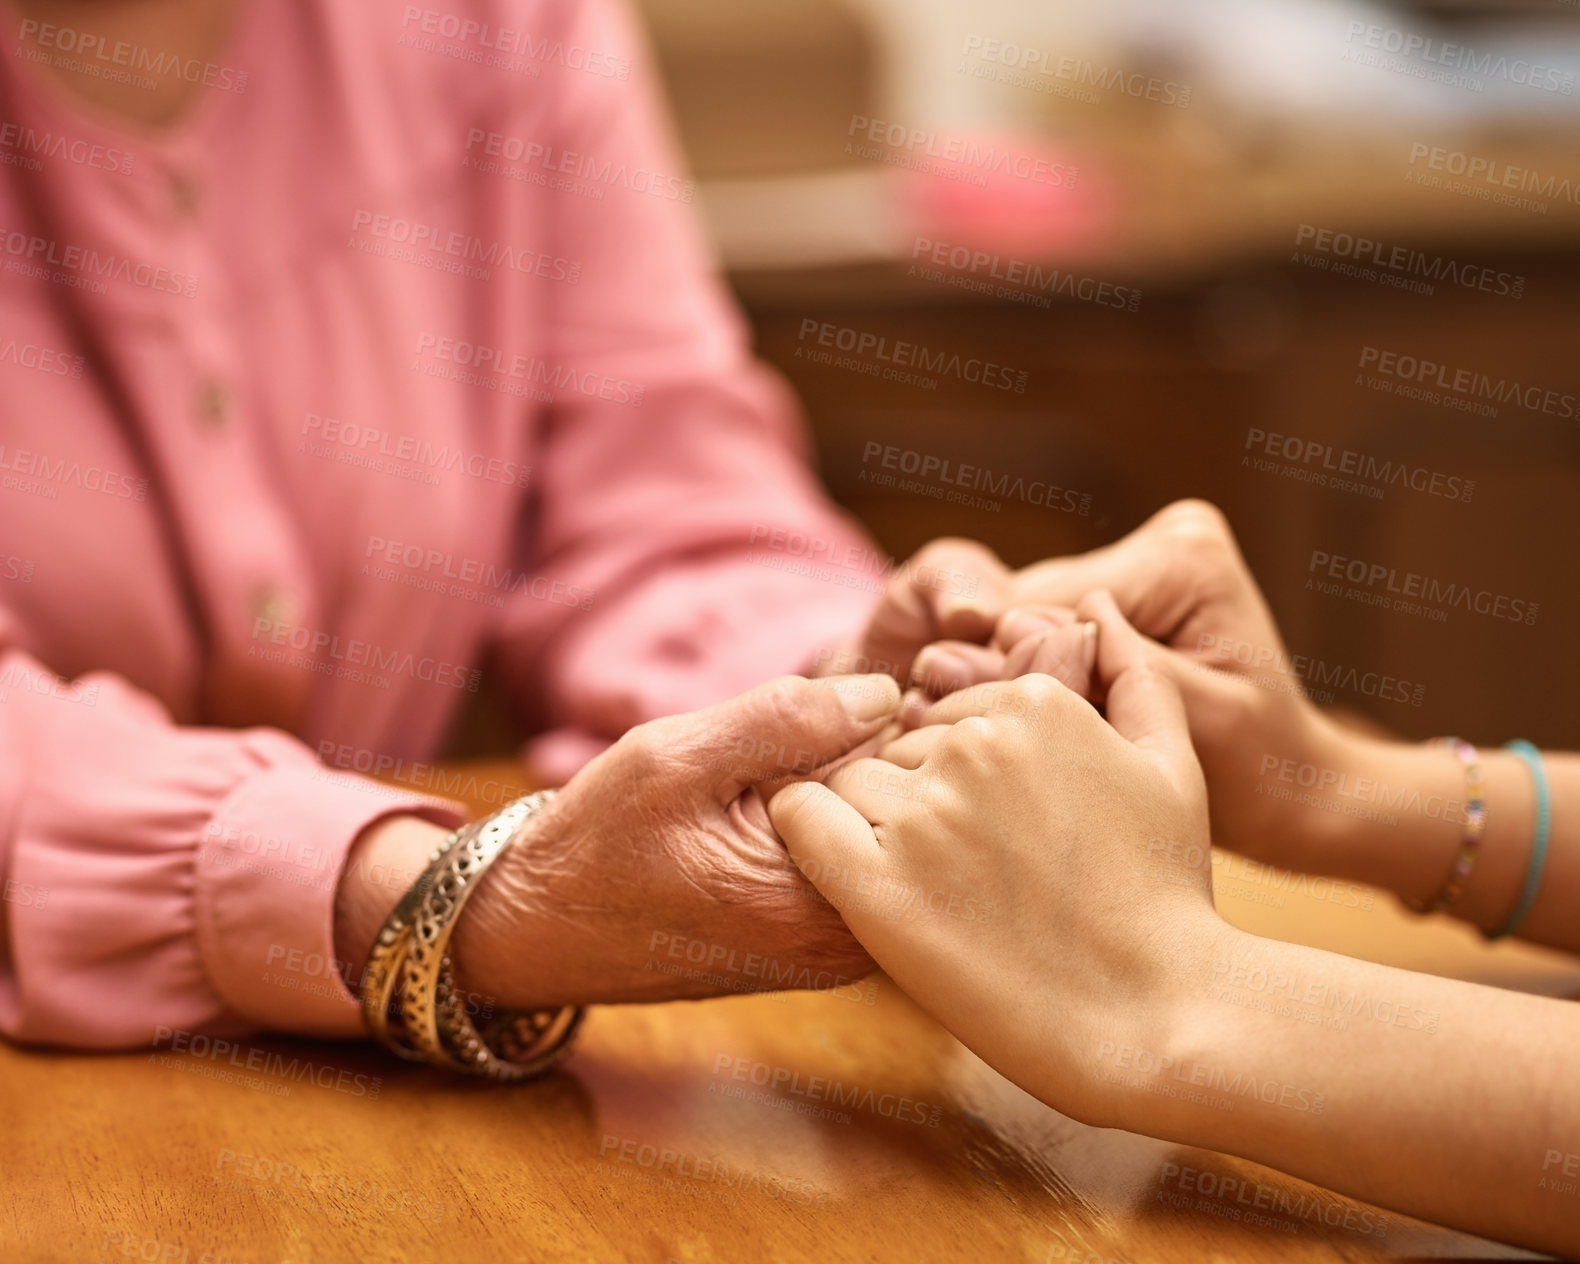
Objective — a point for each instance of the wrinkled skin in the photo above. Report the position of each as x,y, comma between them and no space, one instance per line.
656,874
663,843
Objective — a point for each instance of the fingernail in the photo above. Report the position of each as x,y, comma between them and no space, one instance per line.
1089,646
868,697
913,708
952,607
937,668
1017,625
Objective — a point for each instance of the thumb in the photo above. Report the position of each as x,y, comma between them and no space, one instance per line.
791,726
830,842
1144,702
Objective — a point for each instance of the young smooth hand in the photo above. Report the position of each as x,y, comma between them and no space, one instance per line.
1017,864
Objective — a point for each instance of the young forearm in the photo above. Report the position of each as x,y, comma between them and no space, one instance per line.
1436,1098
1392,815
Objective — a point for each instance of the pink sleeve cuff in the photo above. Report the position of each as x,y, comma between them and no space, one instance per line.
268,866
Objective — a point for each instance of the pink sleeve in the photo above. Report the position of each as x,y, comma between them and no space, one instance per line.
161,878
695,554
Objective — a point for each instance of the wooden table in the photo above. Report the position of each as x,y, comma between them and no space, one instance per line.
797,1127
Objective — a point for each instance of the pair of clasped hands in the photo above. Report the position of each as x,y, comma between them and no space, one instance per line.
999,832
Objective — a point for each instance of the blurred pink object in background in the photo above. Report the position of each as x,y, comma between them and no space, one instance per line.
1011,192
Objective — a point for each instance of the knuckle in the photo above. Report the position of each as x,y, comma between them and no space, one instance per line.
647,745
788,701
1039,690
958,550
1197,525
975,731
950,544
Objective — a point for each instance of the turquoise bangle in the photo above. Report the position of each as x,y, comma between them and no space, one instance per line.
1532,758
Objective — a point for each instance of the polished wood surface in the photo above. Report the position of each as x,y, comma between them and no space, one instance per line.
792,1127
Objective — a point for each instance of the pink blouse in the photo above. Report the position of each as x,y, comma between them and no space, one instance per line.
403,348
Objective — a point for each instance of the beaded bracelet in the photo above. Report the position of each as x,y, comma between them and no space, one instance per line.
1475,828
1532,759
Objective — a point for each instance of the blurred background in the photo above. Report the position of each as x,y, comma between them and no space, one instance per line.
1314,261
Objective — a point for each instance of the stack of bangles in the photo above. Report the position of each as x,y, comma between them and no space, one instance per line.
1476,827
409,1000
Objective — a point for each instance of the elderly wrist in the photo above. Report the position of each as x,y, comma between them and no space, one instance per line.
386,858
489,936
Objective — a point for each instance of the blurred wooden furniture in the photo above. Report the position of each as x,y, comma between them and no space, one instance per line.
1133,410
830,1129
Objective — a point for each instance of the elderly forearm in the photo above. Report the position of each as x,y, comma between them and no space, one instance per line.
387,858
1441,1099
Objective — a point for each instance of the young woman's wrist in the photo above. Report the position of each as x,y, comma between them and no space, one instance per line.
1392,814
1334,816
1148,1072
1210,1048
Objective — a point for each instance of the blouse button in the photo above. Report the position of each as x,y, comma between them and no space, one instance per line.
273,606
213,405
183,193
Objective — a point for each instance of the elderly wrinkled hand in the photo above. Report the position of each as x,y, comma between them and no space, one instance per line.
655,873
